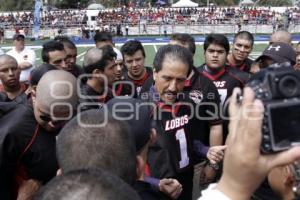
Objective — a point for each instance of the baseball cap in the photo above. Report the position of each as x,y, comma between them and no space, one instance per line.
37,73
18,36
137,115
279,52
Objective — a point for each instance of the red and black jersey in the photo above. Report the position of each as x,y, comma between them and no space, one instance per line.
138,83
224,80
245,66
202,92
27,151
91,99
171,155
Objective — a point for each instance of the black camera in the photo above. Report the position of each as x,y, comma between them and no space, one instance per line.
278,86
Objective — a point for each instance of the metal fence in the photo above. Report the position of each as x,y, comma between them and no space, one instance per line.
146,29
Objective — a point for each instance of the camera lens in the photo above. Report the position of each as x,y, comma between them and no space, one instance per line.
288,86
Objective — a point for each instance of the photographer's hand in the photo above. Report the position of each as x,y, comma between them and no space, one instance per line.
244,166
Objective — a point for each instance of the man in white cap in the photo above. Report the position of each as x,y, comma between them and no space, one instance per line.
24,56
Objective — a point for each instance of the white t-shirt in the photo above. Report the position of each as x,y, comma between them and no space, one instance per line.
213,194
27,55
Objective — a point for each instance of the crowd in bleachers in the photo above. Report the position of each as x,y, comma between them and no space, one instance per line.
129,15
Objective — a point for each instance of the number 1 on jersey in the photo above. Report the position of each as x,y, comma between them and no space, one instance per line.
180,136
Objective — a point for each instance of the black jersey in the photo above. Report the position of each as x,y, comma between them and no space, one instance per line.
202,92
224,80
27,151
138,83
171,155
203,95
90,99
245,66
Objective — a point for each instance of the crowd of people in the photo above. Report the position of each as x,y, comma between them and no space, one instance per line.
114,128
154,15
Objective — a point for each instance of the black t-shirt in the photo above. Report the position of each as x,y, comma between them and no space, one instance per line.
19,131
245,66
138,83
91,99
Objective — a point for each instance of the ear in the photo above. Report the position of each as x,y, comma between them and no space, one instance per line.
139,166
154,74
153,136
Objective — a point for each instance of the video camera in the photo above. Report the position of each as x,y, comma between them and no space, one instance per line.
278,86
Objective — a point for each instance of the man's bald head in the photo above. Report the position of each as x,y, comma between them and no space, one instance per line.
92,56
56,97
4,58
9,73
281,36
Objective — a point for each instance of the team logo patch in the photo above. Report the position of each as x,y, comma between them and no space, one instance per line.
196,96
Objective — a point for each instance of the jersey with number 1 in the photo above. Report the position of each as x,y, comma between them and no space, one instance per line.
171,154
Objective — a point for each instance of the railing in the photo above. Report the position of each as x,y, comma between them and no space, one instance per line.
144,28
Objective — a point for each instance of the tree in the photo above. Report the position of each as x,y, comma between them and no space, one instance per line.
274,3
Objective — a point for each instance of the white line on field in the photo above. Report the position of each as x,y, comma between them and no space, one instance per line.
81,54
155,48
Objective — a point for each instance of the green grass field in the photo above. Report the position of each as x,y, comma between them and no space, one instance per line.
150,53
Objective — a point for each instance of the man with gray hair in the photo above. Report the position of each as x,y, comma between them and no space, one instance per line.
99,68
28,133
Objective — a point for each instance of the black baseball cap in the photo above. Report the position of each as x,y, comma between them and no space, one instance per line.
280,53
37,73
136,114
19,36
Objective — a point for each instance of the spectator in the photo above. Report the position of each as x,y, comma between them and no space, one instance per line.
24,56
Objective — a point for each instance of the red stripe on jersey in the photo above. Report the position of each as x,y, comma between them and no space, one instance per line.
141,81
168,108
214,77
119,89
235,77
241,67
147,169
187,83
